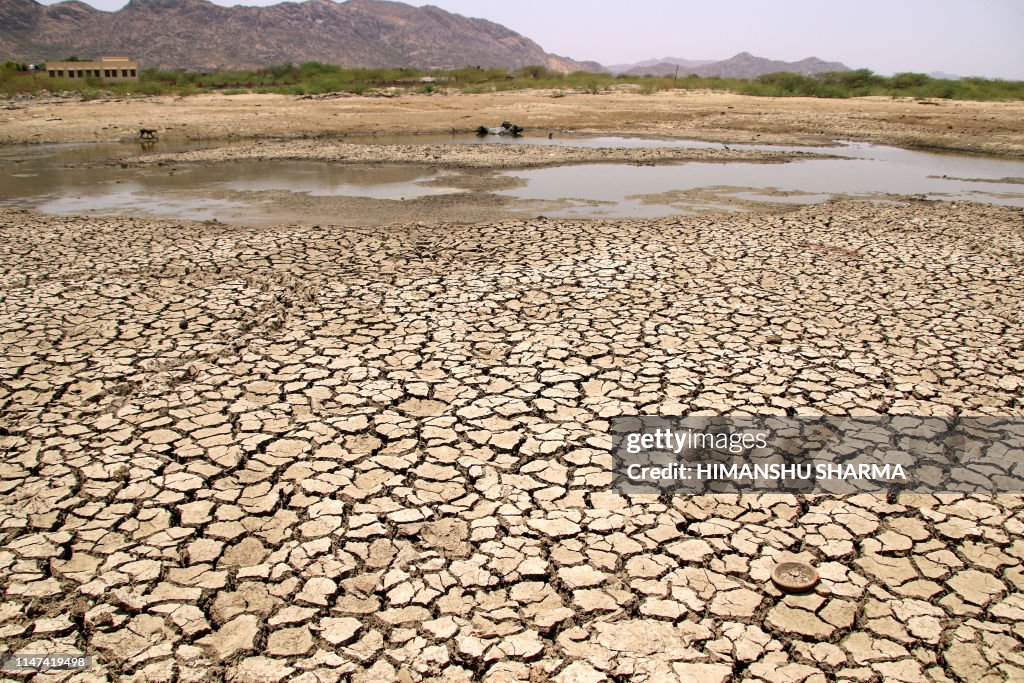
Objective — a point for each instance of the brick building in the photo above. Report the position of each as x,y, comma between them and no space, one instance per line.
111,69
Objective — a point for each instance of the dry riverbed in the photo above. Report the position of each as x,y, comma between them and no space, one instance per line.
308,453
380,452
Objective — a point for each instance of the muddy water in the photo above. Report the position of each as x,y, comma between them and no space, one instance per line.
57,179
865,171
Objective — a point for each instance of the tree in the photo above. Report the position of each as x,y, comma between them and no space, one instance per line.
533,71
909,80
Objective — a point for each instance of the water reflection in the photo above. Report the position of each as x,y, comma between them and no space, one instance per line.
866,171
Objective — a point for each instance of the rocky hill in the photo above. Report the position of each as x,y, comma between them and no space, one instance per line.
660,64
199,35
743,65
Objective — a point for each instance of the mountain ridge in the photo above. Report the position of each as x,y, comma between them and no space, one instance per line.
742,65
200,35
623,68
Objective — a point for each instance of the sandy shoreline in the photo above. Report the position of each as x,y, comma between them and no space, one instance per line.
993,128
273,451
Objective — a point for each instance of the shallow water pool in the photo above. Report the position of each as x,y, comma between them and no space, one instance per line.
59,179
864,171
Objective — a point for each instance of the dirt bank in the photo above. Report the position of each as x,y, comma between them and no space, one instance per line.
977,127
461,156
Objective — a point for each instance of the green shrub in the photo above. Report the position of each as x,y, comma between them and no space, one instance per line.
904,81
145,88
861,80
536,71
281,71
316,77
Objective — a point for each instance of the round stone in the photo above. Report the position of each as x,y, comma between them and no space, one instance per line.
794,577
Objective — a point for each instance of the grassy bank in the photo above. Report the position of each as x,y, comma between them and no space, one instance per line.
313,78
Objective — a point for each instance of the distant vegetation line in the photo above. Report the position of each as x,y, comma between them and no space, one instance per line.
314,78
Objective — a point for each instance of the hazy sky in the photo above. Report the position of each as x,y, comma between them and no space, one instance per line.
964,37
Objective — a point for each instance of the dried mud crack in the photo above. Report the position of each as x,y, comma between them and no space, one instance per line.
323,453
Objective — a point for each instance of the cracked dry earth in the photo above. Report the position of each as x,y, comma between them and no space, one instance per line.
380,454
